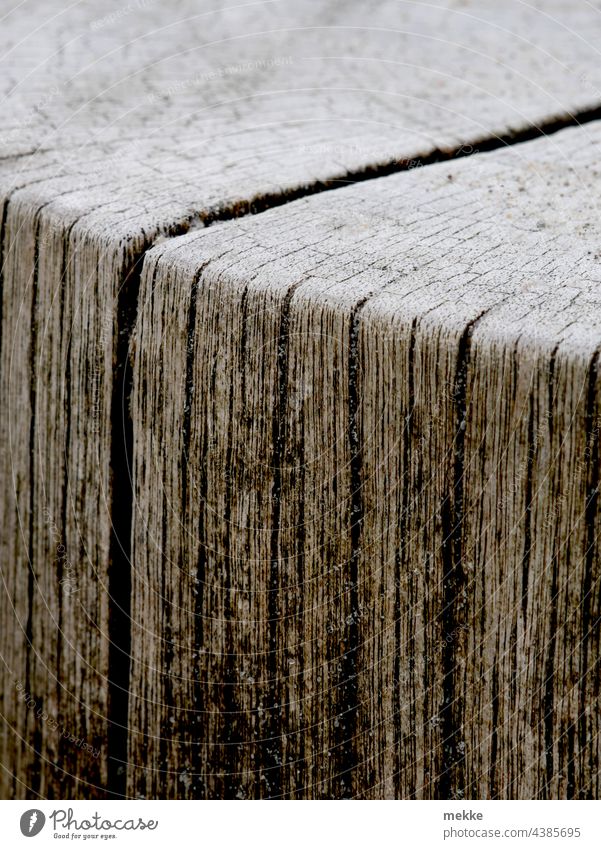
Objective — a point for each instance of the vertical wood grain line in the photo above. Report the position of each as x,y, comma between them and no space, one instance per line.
347,742
590,623
35,777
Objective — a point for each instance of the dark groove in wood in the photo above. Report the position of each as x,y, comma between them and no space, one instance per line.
347,698
198,765
485,144
231,737
451,781
590,626
119,577
279,434
495,732
401,562
549,693
167,655
35,777
300,577
528,517
189,385
62,743
2,235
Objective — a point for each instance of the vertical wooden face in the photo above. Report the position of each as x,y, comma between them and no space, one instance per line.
299,426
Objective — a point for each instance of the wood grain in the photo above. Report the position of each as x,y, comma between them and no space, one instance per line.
125,125
365,549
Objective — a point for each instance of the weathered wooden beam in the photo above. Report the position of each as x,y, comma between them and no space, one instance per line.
124,126
366,471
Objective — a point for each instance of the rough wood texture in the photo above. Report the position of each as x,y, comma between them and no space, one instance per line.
123,124
366,471
199,108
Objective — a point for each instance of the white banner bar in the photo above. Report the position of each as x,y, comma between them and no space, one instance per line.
306,825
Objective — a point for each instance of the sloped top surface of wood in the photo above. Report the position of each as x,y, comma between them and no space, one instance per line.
509,239
143,113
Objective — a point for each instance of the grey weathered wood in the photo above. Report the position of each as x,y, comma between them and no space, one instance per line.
123,124
366,537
